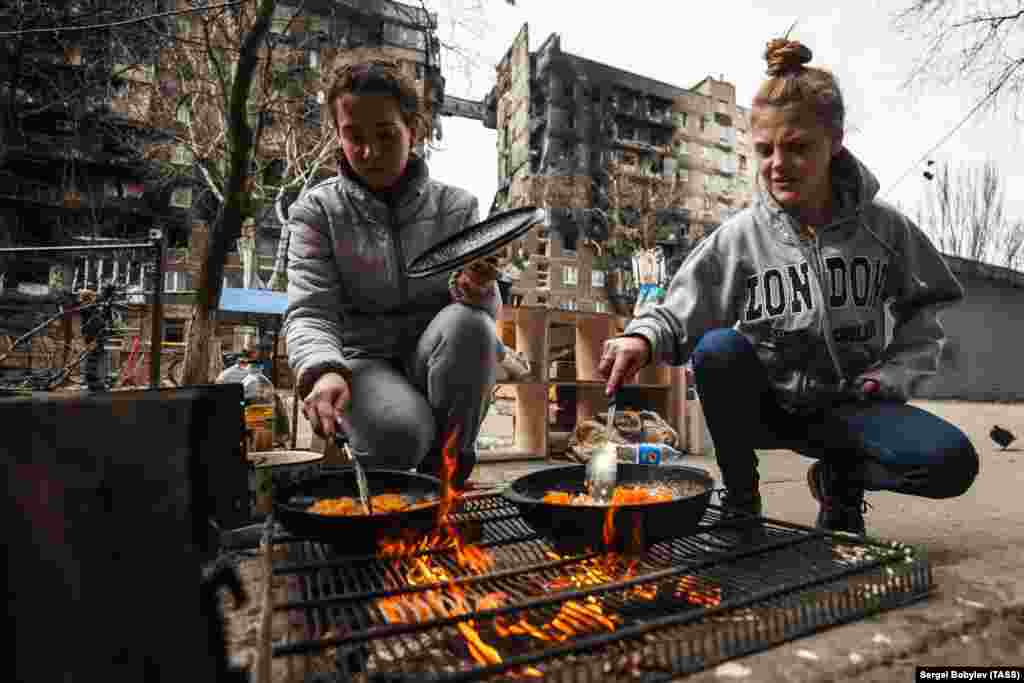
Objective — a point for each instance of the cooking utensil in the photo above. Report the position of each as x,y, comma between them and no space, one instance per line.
602,469
574,528
341,441
475,242
277,468
358,534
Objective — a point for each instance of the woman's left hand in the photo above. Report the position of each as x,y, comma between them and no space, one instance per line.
474,284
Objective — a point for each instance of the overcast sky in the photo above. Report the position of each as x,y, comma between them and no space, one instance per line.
682,42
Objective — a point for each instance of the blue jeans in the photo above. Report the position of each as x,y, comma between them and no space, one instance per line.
876,445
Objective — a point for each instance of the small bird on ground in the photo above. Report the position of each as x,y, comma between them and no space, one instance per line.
1002,437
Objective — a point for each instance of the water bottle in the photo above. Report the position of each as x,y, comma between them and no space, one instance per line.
647,453
260,418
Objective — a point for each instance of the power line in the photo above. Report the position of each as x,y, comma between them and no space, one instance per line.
116,24
945,138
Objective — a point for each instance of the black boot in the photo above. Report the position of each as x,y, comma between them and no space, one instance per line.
741,500
841,500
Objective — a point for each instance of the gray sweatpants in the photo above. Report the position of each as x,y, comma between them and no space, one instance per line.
402,410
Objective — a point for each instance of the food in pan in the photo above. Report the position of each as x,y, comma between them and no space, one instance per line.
630,494
383,503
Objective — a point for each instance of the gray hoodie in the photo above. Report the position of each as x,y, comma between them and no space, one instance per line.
814,310
348,292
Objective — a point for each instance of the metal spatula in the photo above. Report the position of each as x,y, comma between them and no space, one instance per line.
341,440
603,468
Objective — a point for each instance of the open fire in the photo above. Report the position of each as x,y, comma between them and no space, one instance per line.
447,598
487,597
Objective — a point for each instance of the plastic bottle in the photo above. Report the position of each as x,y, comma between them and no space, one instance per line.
260,418
647,453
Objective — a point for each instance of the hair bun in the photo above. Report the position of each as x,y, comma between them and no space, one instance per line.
786,56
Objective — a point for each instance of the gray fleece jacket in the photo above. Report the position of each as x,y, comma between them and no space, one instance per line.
348,292
815,310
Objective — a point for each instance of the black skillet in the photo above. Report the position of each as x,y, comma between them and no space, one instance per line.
575,528
358,534
475,242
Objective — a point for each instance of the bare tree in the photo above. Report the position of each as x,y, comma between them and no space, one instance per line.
980,42
964,214
239,139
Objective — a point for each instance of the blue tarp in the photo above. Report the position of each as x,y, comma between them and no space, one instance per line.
255,301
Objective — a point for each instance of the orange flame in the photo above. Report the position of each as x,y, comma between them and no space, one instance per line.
449,600
574,617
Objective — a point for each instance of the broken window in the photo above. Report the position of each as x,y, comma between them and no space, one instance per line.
174,330
569,89
182,155
181,197
597,278
177,281
282,17
312,111
570,276
569,244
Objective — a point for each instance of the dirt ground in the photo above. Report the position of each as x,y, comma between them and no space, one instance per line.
1000,643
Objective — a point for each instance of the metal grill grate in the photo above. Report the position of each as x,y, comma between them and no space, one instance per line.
686,605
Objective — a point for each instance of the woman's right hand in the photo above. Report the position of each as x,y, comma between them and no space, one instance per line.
622,358
328,399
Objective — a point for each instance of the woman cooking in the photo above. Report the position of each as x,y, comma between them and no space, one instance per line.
401,362
782,313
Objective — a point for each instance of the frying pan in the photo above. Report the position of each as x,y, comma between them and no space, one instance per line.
576,528
358,534
475,242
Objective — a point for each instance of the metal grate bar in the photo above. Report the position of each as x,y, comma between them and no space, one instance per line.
535,603
814,579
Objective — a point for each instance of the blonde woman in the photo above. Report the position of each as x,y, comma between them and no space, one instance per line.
782,313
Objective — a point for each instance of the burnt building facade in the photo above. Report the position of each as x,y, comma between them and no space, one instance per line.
606,150
106,135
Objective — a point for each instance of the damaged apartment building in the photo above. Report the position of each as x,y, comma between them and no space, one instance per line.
105,137
594,144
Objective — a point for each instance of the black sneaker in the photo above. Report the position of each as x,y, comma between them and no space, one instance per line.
842,506
741,514
739,504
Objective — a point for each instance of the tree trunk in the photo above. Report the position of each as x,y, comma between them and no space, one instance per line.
228,225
